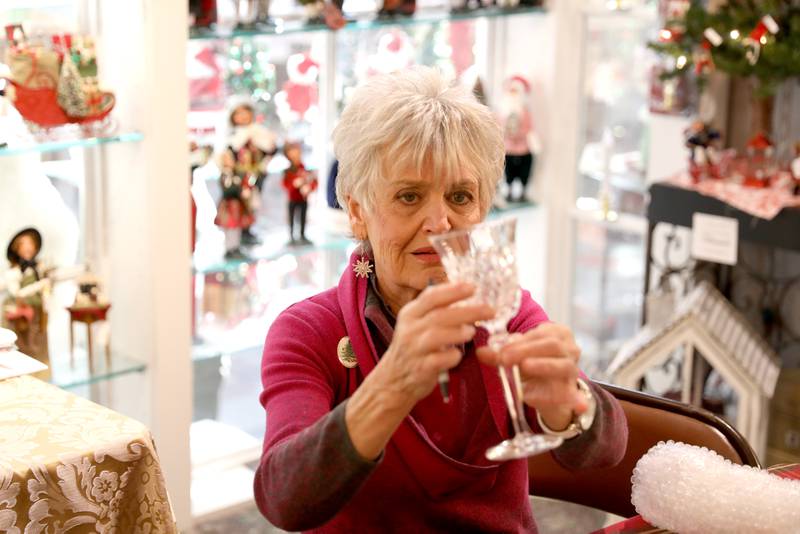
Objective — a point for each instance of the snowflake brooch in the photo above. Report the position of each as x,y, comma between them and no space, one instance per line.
362,267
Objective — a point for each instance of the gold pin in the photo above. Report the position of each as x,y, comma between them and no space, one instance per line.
345,353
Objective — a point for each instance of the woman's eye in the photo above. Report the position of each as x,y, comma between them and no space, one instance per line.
408,198
461,197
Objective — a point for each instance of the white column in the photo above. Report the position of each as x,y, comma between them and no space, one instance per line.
143,46
560,166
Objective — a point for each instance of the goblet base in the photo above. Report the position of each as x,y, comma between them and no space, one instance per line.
523,445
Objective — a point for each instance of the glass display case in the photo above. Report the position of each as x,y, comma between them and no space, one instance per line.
607,218
607,290
615,86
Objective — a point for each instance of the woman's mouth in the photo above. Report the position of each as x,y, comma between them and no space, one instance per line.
426,255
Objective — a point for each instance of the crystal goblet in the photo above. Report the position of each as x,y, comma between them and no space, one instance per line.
485,256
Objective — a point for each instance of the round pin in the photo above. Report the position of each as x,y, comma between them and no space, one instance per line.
345,352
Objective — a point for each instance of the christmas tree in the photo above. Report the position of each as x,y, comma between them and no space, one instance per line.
744,38
250,73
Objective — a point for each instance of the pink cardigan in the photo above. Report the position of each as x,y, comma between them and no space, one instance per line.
311,478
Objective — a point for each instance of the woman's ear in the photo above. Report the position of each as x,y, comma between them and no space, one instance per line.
358,222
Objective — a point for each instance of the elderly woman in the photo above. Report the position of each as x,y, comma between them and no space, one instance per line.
358,437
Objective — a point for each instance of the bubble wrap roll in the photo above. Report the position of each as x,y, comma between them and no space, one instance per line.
692,490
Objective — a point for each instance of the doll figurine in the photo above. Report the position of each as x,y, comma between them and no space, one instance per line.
519,135
324,12
394,8
702,141
28,287
761,164
203,13
459,6
299,183
253,146
233,212
256,14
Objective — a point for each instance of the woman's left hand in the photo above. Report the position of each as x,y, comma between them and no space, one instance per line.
547,357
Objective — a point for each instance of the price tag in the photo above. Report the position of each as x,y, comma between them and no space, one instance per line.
715,238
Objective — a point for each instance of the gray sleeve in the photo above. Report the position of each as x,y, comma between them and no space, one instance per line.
305,480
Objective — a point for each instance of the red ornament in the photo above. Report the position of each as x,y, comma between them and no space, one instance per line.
757,38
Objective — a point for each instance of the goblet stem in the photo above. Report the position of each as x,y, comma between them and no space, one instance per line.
523,422
509,395
513,395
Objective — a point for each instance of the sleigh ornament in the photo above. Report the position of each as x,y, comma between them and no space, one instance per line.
56,86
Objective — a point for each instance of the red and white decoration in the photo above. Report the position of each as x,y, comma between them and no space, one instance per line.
395,52
758,38
297,100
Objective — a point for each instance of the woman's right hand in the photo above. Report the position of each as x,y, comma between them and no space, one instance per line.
426,338
427,330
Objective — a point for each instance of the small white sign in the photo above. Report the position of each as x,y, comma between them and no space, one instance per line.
715,238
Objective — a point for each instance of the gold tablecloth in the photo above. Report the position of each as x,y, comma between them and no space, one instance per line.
69,465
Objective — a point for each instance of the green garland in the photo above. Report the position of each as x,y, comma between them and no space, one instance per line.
779,58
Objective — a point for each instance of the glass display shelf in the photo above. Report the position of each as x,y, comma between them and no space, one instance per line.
72,375
63,144
364,21
273,250
235,307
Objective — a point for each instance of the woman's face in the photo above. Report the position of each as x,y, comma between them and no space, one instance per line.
406,211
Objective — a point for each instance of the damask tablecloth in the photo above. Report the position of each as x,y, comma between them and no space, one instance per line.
69,465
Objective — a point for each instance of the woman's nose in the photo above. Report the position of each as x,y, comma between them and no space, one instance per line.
437,218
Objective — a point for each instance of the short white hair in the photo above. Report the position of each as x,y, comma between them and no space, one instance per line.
415,119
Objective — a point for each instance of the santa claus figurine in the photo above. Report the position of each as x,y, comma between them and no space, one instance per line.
298,97
519,134
299,183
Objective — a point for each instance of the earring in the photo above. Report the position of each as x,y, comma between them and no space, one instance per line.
362,267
